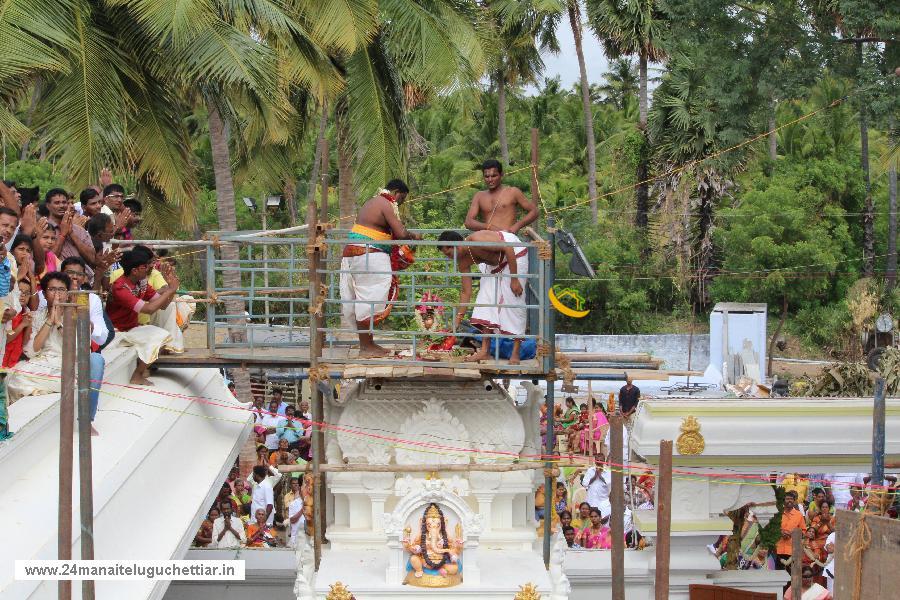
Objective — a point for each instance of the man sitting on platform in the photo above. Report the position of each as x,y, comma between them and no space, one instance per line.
132,295
499,289
368,285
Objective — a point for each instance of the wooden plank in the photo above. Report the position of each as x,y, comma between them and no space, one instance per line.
354,372
467,373
384,372
878,562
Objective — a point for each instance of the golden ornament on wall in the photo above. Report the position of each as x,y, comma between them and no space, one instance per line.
690,441
528,592
339,591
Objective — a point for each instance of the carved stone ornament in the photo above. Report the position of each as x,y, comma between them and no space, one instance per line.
339,591
433,425
690,441
528,592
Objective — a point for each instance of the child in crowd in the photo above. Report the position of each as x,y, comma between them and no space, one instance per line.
21,327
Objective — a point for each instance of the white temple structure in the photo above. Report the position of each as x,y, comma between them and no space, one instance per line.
375,517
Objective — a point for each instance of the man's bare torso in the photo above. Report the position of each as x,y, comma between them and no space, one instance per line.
372,214
497,208
479,254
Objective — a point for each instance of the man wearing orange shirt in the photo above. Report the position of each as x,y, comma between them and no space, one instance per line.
791,519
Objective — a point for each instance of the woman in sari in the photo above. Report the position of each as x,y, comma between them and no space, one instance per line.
259,534
820,526
601,426
562,501
241,500
204,534
596,535
570,417
44,349
584,517
574,430
262,455
810,589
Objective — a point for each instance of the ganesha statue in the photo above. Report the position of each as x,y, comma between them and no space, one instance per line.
435,560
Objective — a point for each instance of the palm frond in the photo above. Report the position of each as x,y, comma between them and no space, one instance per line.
86,104
375,113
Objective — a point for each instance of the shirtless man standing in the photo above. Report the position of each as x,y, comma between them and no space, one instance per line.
497,206
366,277
499,287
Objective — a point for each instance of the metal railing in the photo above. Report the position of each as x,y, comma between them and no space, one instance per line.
257,298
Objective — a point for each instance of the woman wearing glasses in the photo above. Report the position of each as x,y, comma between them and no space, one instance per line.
40,375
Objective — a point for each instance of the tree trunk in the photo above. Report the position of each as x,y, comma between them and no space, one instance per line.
575,22
290,198
642,93
35,95
784,306
317,161
773,136
891,264
501,117
643,168
221,159
346,195
704,248
869,216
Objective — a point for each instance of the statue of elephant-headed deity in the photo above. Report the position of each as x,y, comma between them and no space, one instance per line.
435,560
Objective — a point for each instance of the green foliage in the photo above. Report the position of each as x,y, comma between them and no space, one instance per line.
771,533
794,243
34,173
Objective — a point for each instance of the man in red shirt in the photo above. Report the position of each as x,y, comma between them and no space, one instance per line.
131,295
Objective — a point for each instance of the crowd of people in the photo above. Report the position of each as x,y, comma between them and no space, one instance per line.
59,251
267,509
580,504
810,504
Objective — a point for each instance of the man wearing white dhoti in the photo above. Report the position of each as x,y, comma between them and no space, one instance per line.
130,296
368,282
500,304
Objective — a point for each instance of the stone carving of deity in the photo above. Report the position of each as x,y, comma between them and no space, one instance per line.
435,559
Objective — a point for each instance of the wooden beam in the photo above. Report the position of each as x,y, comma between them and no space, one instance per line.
663,519
617,500
66,445
796,561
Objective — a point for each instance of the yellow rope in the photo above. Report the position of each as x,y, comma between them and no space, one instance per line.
859,543
691,163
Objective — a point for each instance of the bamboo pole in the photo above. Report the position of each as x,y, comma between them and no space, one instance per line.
66,445
878,416
85,466
315,393
663,519
796,562
617,518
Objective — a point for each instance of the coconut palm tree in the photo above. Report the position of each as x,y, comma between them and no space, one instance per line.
574,11
419,50
686,125
620,83
628,28
525,28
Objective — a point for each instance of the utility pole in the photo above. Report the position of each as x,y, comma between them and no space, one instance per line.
663,519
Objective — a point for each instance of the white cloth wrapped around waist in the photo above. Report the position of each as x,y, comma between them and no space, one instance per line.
495,288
